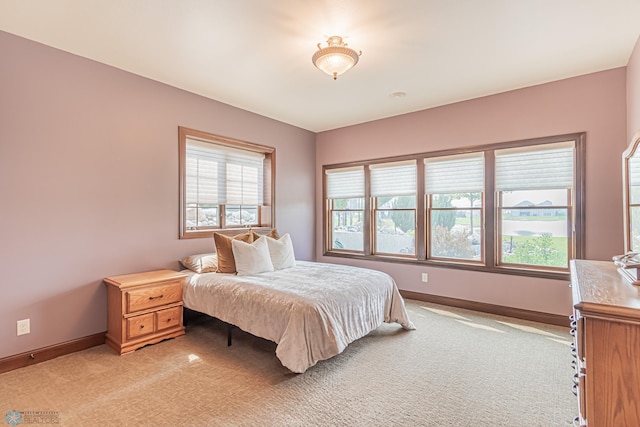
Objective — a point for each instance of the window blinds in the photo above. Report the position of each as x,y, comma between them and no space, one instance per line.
634,170
541,167
462,173
346,183
393,179
217,174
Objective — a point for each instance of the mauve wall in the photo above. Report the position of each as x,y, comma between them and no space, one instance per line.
89,185
633,93
594,103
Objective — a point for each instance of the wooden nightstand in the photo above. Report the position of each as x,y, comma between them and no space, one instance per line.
143,308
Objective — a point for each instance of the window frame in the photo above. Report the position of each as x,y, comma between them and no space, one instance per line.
266,211
375,206
374,219
330,207
489,211
333,210
430,209
500,208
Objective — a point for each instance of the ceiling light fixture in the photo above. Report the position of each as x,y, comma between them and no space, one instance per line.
336,58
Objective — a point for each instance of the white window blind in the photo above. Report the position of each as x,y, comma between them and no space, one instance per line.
540,167
462,173
393,179
634,171
217,174
346,183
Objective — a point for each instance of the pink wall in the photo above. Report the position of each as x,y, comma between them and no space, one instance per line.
89,179
633,93
593,103
89,184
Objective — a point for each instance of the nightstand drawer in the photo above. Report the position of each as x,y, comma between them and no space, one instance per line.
168,318
141,299
140,325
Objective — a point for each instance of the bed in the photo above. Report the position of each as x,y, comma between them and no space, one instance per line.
312,311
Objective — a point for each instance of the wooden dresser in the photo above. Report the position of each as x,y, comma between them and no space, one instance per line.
606,330
143,308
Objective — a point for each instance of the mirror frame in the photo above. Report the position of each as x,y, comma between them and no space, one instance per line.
631,150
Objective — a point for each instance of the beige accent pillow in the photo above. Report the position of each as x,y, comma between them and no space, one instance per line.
201,263
226,262
273,234
252,258
281,252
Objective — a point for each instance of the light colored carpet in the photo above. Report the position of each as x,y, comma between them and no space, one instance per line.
459,368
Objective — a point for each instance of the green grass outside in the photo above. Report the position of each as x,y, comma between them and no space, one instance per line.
558,243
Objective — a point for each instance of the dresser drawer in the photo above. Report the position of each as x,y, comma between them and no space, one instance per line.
149,297
140,325
168,318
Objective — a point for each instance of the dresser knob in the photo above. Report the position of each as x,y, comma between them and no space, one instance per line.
141,326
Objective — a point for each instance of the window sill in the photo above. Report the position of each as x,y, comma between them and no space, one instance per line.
543,274
201,234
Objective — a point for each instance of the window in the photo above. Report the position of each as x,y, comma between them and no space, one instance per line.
224,184
393,189
345,200
454,187
534,187
514,207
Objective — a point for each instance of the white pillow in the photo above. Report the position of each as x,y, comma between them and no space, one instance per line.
281,252
251,258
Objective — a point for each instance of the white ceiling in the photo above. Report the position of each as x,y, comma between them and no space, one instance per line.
256,54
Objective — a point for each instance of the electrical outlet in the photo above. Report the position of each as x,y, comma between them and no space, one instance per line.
24,326
425,277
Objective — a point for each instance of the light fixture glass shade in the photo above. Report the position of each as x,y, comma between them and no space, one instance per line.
336,58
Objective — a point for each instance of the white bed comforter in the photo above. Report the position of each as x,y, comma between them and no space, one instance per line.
312,311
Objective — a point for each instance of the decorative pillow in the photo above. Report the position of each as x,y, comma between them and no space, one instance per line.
201,263
281,252
252,258
226,262
273,234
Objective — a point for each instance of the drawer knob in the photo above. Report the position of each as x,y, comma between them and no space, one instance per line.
158,297
141,326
